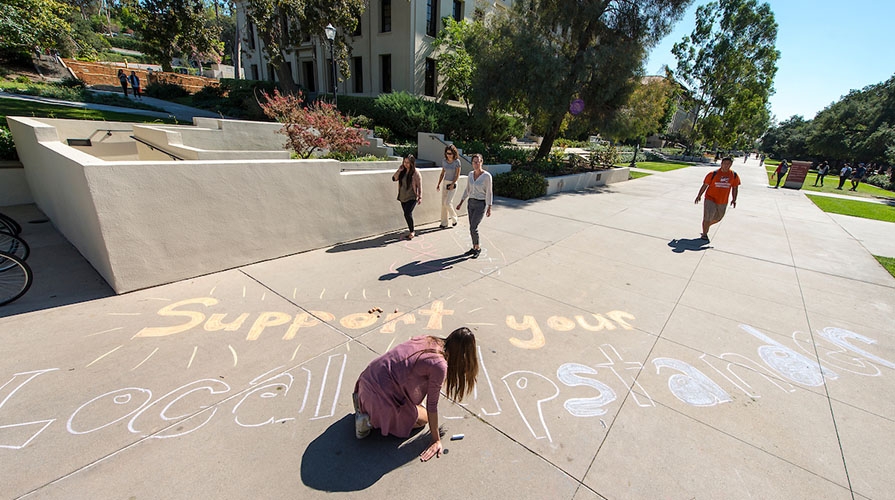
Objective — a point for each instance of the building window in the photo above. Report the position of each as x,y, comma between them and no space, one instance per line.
358,71
251,35
357,31
430,77
431,17
386,13
289,68
310,79
271,73
458,11
385,67
254,71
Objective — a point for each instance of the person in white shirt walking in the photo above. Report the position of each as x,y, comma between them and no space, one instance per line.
480,194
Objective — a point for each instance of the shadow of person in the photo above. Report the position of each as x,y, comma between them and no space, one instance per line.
337,461
417,268
379,241
682,245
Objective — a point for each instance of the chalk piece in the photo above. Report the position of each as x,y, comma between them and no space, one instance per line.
457,437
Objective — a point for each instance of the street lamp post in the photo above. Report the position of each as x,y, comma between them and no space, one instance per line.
331,36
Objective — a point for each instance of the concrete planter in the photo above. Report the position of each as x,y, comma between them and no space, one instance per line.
577,182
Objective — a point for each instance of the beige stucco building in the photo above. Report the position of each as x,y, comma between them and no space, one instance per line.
390,51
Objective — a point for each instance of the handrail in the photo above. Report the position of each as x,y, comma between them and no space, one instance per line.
153,147
467,158
89,140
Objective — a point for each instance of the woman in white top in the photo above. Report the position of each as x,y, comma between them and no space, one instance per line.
480,194
450,174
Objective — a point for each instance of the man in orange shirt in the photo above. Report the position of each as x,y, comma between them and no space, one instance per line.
717,187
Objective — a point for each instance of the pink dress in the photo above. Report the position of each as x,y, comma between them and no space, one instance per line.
392,386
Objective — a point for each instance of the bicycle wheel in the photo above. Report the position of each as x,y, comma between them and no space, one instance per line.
15,278
9,225
14,245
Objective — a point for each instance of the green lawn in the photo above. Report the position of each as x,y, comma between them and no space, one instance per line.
637,175
855,208
830,183
18,107
661,166
888,263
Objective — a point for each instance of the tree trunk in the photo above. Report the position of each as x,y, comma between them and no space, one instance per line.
287,84
634,158
549,138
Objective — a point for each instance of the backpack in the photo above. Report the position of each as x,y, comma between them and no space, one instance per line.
712,179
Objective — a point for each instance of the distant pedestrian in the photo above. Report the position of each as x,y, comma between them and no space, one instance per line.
135,85
717,186
857,176
844,174
481,195
450,174
122,78
822,171
782,168
409,190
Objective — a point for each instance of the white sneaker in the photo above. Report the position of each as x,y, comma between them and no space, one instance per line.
362,425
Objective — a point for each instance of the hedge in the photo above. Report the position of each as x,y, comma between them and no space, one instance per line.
520,184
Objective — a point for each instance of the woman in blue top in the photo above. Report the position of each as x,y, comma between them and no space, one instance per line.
480,194
450,174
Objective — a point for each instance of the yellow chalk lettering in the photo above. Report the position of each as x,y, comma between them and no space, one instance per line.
357,321
435,313
196,318
266,319
301,320
619,317
528,322
560,323
215,323
392,321
602,323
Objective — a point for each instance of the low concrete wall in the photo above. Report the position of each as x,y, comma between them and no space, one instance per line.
577,182
14,188
146,223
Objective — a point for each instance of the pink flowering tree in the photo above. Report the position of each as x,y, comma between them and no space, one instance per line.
315,127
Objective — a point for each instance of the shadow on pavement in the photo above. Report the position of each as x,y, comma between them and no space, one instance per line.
417,268
337,461
695,244
379,241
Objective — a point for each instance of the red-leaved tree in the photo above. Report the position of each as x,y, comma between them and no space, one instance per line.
317,126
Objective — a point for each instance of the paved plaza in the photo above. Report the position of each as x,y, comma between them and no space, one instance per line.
622,358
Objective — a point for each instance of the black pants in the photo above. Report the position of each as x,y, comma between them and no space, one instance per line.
408,207
820,178
842,180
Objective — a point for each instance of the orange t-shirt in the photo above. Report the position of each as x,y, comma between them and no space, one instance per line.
719,185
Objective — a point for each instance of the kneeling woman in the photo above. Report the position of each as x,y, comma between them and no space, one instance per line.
389,392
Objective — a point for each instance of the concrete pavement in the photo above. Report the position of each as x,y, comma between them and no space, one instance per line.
621,358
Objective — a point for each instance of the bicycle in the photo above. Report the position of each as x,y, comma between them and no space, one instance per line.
9,225
14,245
15,278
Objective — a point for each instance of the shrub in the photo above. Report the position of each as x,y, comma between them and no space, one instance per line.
166,91
384,133
361,121
311,128
209,94
7,146
72,83
243,97
520,184
881,181
406,114
403,150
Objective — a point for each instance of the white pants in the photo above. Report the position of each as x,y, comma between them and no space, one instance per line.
447,206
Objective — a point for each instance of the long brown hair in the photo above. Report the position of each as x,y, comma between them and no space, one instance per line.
408,175
463,363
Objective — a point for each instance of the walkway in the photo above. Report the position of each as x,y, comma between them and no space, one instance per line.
178,111
620,356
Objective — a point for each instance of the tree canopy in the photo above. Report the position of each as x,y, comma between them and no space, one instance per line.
729,62
541,55
174,27
282,25
26,23
456,66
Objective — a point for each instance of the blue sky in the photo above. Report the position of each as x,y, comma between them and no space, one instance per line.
827,48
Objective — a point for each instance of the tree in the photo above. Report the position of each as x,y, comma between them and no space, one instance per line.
282,24
26,23
455,64
859,126
171,28
789,139
729,62
541,55
312,128
645,112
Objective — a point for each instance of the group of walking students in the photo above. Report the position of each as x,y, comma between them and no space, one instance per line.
478,192
133,80
846,173
389,393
